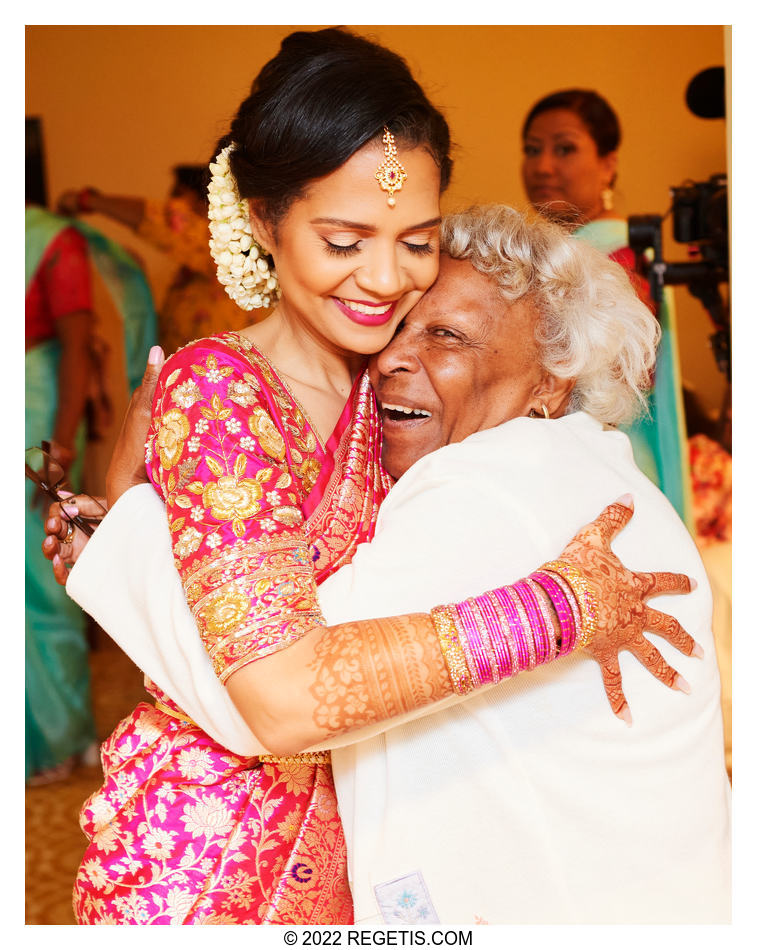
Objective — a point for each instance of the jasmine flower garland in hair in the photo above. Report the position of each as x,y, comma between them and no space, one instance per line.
241,267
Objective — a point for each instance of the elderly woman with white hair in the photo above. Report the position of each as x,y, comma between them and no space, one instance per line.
524,801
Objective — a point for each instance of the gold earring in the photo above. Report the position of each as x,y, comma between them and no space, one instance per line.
606,195
535,415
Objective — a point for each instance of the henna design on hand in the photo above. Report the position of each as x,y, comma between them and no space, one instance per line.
623,614
375,670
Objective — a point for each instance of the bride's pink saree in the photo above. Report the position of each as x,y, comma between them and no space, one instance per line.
183,830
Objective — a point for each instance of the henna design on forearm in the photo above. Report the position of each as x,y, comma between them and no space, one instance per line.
375,670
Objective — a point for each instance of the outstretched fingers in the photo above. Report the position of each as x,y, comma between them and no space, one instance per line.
613,684
665,582
650,657
614,518
600,532
671,629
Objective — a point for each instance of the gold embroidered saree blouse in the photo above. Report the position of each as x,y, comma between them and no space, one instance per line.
258,511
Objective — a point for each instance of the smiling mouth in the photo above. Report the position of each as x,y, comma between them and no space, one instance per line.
366,313
376,309
396,413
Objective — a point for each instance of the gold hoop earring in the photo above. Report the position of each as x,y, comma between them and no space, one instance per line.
535,415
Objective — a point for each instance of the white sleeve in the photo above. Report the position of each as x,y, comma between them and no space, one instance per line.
126,579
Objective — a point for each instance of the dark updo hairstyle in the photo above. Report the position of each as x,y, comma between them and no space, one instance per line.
321,98
595,112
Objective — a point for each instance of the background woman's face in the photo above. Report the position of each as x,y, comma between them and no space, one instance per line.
562,169
350,266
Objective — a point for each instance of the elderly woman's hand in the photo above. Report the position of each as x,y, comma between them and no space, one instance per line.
61,545
623,615
127,464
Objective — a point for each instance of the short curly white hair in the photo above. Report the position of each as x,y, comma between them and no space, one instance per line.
593,328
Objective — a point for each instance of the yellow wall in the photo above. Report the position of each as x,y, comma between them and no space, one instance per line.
121,105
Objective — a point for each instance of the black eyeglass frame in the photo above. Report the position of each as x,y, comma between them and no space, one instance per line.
83,523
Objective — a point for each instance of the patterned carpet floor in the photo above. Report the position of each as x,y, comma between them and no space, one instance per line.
54,841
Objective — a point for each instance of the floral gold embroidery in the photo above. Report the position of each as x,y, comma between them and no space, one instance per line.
232,498
244,392
225,610
288,515
174,429
309,473
188,542
187,394
271,440
183,831
217,409
212,371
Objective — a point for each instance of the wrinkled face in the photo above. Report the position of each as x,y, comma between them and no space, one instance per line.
350,267
562,168
463,360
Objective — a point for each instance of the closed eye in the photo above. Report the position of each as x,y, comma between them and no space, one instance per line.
419,248
444,333
341,250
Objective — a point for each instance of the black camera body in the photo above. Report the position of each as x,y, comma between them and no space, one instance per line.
699,212
700,215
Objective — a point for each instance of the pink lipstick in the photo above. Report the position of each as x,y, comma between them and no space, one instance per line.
369,314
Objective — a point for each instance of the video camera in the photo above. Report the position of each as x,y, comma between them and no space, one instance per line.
700,219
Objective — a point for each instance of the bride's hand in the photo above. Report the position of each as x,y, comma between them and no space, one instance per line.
127,464
623,614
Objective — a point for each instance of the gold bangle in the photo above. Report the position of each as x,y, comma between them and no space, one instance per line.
299,758
449,641
174,714
584,594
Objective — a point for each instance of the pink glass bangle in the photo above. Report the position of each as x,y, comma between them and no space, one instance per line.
545,607
528,645
488,638
515,626
497,633
505,646
557,594
584,593
479,667
535,621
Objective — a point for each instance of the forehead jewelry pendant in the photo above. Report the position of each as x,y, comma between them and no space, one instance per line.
390,174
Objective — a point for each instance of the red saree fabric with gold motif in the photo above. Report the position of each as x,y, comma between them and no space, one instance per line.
183,830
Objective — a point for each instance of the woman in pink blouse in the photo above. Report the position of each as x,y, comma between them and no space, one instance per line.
265,446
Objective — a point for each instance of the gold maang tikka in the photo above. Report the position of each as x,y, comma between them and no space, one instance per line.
391,173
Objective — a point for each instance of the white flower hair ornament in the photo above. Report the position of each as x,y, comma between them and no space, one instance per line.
241,265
